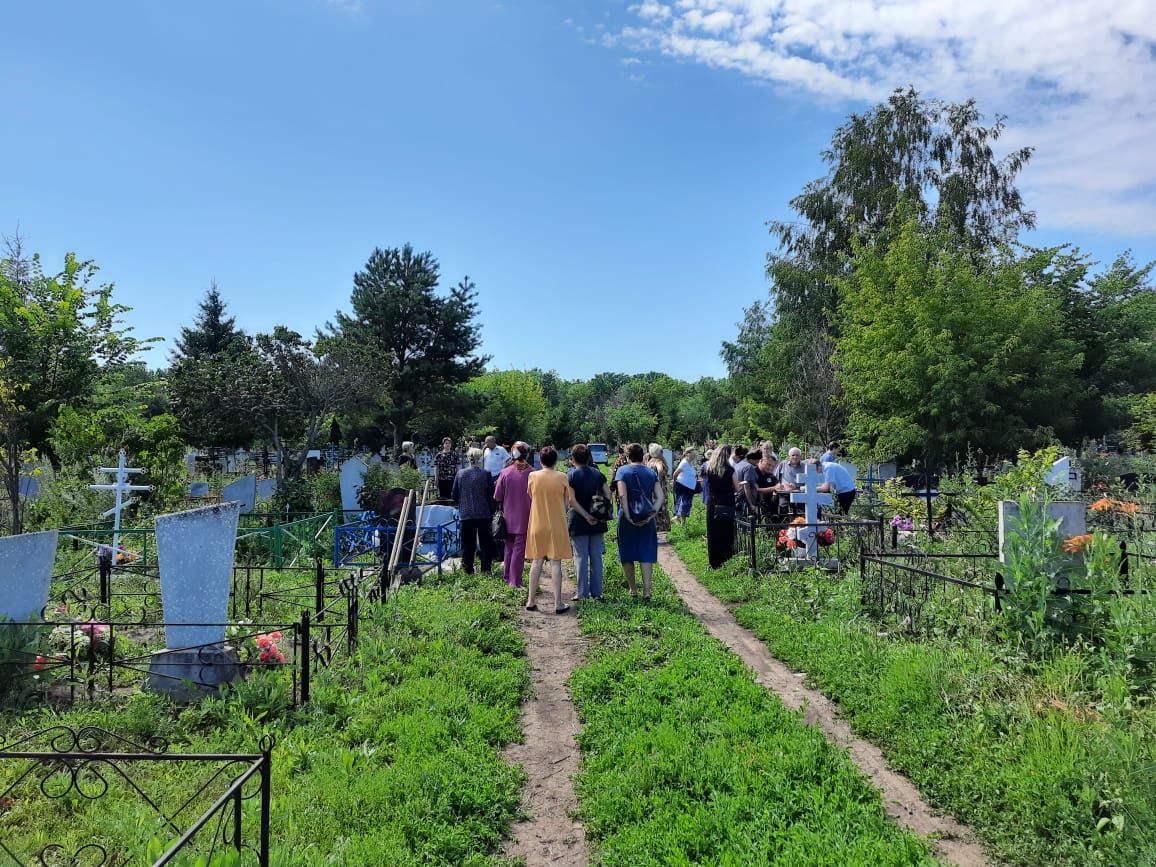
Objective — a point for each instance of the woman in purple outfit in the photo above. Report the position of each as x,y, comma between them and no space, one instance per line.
511,492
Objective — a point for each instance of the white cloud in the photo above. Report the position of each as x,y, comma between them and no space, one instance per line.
1075,78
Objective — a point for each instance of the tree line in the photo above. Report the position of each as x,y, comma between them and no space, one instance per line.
905,316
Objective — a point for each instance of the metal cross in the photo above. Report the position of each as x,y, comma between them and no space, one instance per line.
811,499
120,487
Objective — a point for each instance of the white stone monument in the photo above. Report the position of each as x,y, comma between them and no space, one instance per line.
352,478
243,491
812,499
195,556
26,563
1072,515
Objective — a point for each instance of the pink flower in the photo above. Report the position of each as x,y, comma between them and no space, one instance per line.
93,630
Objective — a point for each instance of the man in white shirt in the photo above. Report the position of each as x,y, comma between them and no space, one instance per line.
838,481
494,457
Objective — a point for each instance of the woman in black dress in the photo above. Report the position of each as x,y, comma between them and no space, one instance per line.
722,486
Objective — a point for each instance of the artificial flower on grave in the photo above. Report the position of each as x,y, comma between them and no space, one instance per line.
825,537
903,523
1104,504
1076,544
268,651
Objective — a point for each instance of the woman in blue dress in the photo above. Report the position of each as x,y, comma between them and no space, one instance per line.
640,496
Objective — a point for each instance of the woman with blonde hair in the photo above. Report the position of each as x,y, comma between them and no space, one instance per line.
720,481
548,534
657,462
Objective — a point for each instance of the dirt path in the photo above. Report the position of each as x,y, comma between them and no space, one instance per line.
550,727
953,842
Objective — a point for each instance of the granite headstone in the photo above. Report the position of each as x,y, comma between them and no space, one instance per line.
352,478
243,491
26,563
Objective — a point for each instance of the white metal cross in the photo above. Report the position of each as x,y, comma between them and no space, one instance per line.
120,487
811,499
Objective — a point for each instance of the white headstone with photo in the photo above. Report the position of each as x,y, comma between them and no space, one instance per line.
26,563
243,491
1072,515
352,478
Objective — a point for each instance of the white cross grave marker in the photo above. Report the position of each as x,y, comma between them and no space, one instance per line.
811,499
120,487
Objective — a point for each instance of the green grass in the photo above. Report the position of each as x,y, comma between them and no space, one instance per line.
1050,763
396,760
686,760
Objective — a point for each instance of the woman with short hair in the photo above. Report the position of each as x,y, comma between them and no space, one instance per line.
657,462
720,480
511,492
546,536
640,497
446,466
685,481
586,532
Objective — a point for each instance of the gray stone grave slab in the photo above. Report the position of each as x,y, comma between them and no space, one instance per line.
243,491
266,488
26,563
1058,475
29,487
668,456
1072,514
352,477
199,489
195,556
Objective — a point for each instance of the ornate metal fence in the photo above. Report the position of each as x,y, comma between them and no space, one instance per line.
204,816
771,546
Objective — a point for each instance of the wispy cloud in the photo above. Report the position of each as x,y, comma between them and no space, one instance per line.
352,8
1075,78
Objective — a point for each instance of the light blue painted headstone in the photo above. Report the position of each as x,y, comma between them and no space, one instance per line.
199,489
195,555
243,491
25,574
29,487
352,477
266,488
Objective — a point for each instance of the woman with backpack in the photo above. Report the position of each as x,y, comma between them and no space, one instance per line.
589,510
640,497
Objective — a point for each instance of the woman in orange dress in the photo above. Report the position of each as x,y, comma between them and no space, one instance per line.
548,534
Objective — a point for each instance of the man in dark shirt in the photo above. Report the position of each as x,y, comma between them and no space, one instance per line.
747,474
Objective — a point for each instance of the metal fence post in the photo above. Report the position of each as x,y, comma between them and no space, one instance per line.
305,652
319,588
266,796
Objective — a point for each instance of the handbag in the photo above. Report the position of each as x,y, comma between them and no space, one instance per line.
600,509
498,528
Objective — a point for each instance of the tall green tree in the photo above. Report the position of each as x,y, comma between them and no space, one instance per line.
941,351
511,405
418,344
935,158
58,332
211,352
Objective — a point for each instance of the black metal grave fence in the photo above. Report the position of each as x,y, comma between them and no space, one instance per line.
73,766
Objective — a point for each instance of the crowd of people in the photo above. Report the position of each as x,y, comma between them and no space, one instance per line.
513,511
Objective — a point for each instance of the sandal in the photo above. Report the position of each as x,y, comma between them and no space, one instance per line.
562,610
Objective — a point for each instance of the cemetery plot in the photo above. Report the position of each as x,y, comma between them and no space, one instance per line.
1015,693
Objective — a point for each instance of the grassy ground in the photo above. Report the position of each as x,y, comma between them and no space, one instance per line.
687,761
395,761
1050,764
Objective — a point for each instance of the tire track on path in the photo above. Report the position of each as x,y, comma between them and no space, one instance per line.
952,841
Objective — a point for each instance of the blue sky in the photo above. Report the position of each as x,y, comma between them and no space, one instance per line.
602,170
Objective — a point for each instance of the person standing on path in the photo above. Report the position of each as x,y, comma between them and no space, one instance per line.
546,535
640,498
685,481
657,462
720,511
446,466
512,494
473,494
586,532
